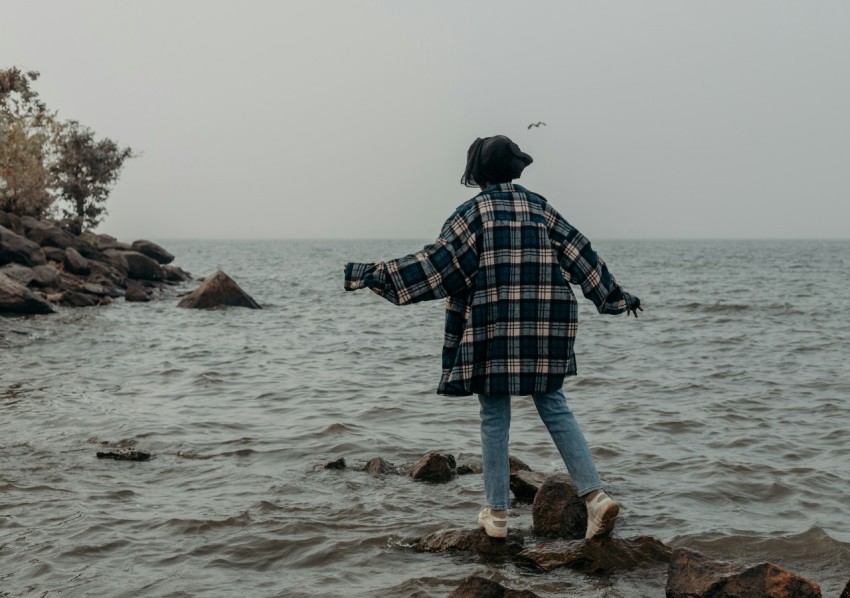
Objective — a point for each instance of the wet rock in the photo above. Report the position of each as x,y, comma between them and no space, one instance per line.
75,263
100,290
468,463
16,249
44,276
338,464
136,293
480,587
558,511
77,299
175,274
472,540
525,484
20,274
18,299
517,464
218,290
153,251
124,455
694,575
379,466
846,592
600,555
434,467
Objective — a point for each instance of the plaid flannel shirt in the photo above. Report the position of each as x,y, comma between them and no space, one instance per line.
503,262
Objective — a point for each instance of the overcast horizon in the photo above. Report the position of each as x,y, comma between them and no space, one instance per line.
351,120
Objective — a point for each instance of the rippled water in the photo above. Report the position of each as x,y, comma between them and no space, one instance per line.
719,419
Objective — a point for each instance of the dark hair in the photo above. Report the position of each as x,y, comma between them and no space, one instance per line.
493,160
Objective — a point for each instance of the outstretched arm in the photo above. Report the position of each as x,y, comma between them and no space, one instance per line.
584,267
445,268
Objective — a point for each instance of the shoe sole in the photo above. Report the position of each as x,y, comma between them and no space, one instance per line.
492,531
609,519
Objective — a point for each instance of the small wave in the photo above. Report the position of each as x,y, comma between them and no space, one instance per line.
197,526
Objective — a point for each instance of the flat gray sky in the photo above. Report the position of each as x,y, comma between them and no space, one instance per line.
351,119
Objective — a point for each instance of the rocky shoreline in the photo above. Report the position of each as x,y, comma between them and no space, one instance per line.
556,540
43,265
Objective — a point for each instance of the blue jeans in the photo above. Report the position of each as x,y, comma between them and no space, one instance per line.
562,426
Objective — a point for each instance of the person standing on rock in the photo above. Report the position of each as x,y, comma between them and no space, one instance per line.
504,262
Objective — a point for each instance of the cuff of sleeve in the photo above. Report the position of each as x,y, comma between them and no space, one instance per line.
361,276
632,302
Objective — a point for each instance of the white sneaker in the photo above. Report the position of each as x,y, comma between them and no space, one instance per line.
602,514
495,527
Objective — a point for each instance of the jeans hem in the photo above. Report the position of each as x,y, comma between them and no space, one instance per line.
589,490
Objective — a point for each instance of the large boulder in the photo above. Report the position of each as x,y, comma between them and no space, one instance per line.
472,541
218,290
74,263
136,265
19,250
694,575
481,587
44,276
599,555
558,511
54,254
49,234
152,250
20,274
434,467
176,274
16,298
104,242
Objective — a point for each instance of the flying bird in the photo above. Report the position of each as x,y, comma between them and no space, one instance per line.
537,124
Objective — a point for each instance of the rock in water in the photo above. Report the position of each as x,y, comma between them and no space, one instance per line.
338,464
600,555
124,455
480,587
18,299
846,592
217,290
472,540
434,467
525,484
152,250
694,575
379,466
558,510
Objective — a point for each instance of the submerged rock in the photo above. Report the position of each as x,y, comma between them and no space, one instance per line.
558,511
124,455
480,587
379,466
18,299
525,484
218,290
434,467
599,555
472,540
693,575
